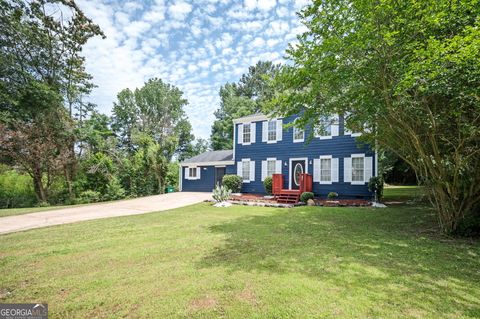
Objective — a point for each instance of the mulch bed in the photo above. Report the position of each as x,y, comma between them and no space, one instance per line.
251,198
258,198
342,202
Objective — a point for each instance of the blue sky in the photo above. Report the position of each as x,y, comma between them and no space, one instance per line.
195,45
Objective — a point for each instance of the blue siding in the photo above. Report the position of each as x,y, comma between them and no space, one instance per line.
339,147
206,183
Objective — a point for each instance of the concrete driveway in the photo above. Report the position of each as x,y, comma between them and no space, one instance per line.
135,206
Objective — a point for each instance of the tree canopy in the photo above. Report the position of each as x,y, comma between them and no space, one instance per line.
241,99
407,74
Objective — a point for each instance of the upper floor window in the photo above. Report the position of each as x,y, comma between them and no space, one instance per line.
328,127
358,168
246,133
298,134
272,131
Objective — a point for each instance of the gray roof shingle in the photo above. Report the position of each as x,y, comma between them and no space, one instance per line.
211,156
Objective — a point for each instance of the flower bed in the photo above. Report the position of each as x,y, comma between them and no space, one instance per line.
258,198
342,202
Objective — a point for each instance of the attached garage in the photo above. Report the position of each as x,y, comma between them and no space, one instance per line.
202,172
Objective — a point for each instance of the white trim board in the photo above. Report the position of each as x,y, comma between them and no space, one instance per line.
218,163
290,168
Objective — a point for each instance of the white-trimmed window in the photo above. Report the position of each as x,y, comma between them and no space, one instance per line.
246,170
271,167
192,172
325,169
298,134
246,133
358,167
329,127
272,131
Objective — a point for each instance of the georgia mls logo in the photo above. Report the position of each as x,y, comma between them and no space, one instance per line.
24,311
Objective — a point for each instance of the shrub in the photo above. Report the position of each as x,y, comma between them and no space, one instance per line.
16,189
332,195
375,184
267,183
88,196
233,183
221,193
114,190
306,196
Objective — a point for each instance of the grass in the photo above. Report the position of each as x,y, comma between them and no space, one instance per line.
246,262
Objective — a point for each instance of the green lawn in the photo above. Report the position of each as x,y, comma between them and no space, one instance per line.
246,262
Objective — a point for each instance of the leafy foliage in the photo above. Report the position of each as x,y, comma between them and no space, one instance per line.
305,196
408,73
232,182
375,185
221,193
332,195
268,183
16,189
241,99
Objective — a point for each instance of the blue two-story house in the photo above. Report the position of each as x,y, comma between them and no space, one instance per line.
264,146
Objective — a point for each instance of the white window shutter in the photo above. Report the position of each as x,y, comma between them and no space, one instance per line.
279,130
316,170
187,173
239,169
198,172
264,131
278,167
264,170
334,170
240,134
252,171
253,132
367,168
347,170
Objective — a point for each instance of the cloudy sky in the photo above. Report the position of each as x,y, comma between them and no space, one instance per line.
196,45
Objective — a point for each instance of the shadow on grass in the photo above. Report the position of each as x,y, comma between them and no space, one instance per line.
383,253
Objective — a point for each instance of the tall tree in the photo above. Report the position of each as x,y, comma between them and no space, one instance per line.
409,74
152,119
41,72
240,99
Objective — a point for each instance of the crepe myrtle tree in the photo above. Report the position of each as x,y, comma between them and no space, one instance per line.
406,75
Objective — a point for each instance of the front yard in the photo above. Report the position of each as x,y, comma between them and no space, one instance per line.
247,262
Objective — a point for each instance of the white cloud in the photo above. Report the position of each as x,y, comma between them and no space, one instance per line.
195,45
179,10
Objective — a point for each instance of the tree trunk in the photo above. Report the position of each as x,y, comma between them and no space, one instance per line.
38,186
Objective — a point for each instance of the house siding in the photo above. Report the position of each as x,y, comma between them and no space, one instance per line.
206,183
338,146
